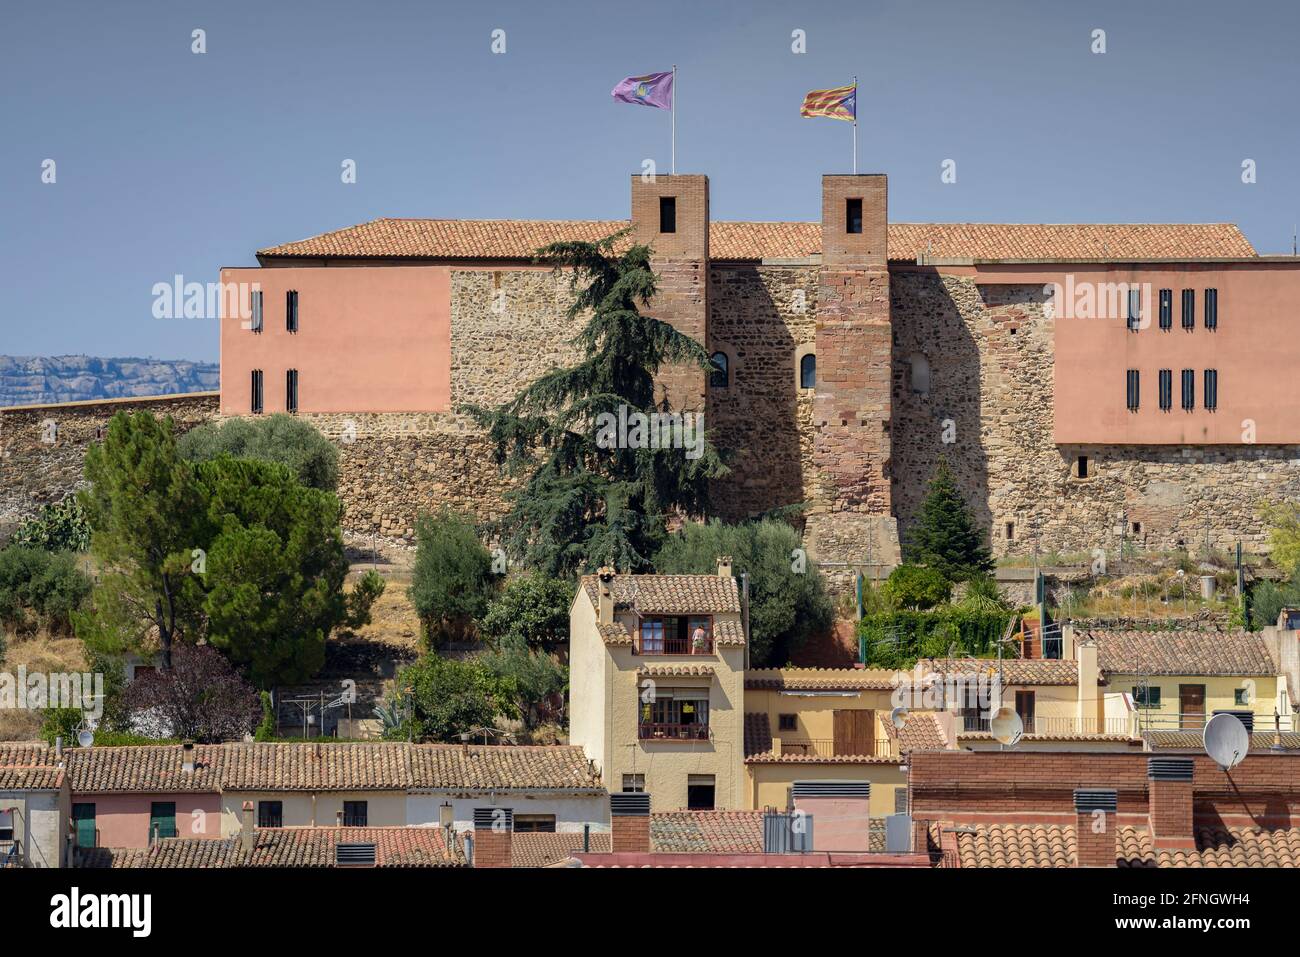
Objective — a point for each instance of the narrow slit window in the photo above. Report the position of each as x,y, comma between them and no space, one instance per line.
256,404
1134,310
853,215
291,390
1081,466
291,310
808,372
720,373
1189,390
1166,389
1189,309
667,214
1011,530
1211,309
255,307
1133,389
1211,390
1166,309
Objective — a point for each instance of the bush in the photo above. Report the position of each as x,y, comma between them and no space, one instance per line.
266,728
539,679
983,594
532,609
40,588
787,597
442,697
911,586
60,527
452,579
897,639
280,438
201,699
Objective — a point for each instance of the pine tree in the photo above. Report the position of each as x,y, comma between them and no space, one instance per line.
946,538
584,503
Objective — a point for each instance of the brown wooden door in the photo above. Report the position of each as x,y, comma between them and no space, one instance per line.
855,732
1025,708
1191,704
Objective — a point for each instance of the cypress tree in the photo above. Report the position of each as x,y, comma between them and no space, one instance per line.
946,538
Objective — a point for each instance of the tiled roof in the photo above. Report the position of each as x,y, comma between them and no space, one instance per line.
519,239
1230,653
728,633
670,594
29,767
1261,740
821,679
155,767
920,732
313,767
1049,845
1014,671
288,847
503,768
676,671
615,633
758,733
710,832
539,849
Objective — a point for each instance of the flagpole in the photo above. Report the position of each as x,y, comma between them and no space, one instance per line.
855,123
674,113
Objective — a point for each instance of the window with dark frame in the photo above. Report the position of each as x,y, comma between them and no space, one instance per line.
1210,392
1166,309
162,819
1133,394
1134,310
787,722
1189,309
1081,466
6,825
256,404
808,372
633,783
1189,389
853,215
355,813
720,373
1166,389
270,814
1146,697
534,824
291,310
700,791
1011,530
291,390
255,305
667,214
1211,309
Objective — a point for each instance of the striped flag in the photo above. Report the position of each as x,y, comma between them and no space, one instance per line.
840,103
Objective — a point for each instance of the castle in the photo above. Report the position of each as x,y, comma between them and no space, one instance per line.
1087,384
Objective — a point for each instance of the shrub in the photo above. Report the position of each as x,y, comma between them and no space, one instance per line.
442,697
533,609
201,699
60,527
539,679
40,588
280,438
911,586
266,728
452,579
897,639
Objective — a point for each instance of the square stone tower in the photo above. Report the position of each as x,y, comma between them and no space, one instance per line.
670,214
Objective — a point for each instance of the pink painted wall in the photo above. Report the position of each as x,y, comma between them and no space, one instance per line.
123,819
1256,350
370,339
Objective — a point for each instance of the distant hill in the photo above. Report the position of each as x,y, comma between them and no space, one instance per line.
30,380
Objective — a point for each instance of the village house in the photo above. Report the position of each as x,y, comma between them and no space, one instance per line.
34,806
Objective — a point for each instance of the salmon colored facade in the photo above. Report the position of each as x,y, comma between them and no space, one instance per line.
122,819
369,339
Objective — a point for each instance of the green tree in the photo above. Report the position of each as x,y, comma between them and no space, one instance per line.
60,527
1283,519
539,680
946,538
141,505
281,438
588,498
444,697
787,596
452,579
533,609
916,587
273,569
40,589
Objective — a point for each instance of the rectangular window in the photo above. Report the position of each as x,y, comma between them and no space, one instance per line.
291,310
699,792
1134,309
1081,466
1211,309
6,825
270,814
1166,309
1189,390
853,215
83,825
1211,391
256,308
291,390
1133,390
787,722
354,813
256,404
633,783
1240,696
1166,389
1011,530
1189,309
534,823
667,214
1148,697
681,713
162,819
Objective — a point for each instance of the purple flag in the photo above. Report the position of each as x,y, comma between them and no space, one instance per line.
653,89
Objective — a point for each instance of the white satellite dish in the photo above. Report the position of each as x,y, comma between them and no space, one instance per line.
898,718
1226,740
1007,727
85,738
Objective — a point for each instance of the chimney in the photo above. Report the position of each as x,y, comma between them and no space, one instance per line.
58,747
493,833
338,818
1067,641
246,828
629,822
446,817
187,757
840,809
1169,788
1095,833
1092,703
724,566
605,595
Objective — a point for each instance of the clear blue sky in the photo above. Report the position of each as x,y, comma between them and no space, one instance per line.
171,162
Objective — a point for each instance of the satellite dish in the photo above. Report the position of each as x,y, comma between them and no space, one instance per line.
898,718
85,738
1226,740
1007,727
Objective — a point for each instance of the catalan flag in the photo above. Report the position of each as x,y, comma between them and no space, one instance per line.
840,103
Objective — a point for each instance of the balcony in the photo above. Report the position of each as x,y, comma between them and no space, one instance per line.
829,748
674,646
651,731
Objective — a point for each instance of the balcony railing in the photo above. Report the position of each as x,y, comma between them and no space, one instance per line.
674,646
1153,720
651,731
826,748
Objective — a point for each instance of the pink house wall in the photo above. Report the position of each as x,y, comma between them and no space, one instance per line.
123,819
369,339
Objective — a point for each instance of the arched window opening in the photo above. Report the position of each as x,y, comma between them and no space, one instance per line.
808,371
720,374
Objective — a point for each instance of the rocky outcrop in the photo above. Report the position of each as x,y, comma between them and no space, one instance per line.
43,380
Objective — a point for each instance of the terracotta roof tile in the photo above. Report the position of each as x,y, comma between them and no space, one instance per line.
519,239
615,633
155,767
758,733
29,767
540,849
728,633
1049,845
1230,653
313,767
503,768
670,594
1261,740
1015,671
821,679
709,832
676,671
920,732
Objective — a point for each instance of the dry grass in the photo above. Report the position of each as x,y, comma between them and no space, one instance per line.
393,620
43,653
